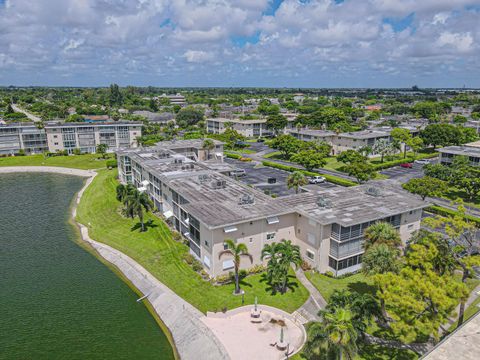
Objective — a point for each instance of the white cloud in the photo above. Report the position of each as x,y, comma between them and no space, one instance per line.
157,40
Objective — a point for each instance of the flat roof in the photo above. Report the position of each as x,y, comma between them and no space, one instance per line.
237,121
354,205
463,343
461,150
365,134
312,132
80,124
190,143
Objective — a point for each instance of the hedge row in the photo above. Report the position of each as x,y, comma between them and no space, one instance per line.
233,155
408,159
440,210
331,178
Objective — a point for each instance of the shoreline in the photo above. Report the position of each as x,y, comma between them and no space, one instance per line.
189,337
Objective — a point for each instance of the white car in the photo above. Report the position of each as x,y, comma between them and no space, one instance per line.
316,180
422,161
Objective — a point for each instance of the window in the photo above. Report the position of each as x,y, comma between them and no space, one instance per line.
410,226
225,246
250,240
310,255
311,239
228,264
55,143
270,236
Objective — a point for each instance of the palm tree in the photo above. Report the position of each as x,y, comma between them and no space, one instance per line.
280,257
295,180
123,191
381,233
335,335
237,251
208,145
136,203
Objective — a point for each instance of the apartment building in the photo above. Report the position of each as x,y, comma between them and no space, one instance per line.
348,140
247,128
207,207
470,150
86,137
56,136
22,136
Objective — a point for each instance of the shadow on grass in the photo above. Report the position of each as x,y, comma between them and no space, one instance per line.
292,285
362,287
376,352
148,224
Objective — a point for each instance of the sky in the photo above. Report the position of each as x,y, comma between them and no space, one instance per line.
233,43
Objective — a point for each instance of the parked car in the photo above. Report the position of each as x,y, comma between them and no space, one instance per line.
406,165
422,161
238,172
316,180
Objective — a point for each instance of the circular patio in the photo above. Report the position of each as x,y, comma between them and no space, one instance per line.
247,337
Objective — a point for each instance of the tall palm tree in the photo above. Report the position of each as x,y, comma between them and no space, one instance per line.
123,191
136,204
289,255
280,257
272,253
335,335
382,233
208,145
295,180
237,251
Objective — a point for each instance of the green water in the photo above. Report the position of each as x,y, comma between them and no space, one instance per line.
57,301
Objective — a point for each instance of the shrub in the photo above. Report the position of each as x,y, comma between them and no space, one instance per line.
197,265
246,159
223,279
111,163
21,152
77,151
232,155
305,265
189,259
439,210
176,236
329,274
255,269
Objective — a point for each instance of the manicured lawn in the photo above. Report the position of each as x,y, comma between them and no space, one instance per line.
163,257
326,285
333,164
87,161
274,155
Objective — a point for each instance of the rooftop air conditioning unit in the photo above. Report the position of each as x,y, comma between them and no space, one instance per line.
246,199
323,202
373,191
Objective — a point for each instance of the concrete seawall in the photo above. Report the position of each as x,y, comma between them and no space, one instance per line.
192,338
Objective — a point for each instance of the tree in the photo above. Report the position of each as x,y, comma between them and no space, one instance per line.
402,136
237,251
335,335
136,204
287,144
462,243
417,299
350,156
116,97
123,191
295,180
310,159
441,135
153,105
189,116
416,144
9,109
276,122
459,119
426,186
360,170
208,145
382,147
380,259
382,233
232,137
102,150
280,257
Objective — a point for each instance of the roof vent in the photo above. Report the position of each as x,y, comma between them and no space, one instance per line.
373,191
246,199
202,178
219,184
323,202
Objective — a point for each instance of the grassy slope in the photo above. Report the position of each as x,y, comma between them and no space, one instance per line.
326,285
159,254
88,161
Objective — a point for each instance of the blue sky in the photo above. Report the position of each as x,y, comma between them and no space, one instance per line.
277,43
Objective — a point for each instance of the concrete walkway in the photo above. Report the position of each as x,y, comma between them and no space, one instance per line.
47,169
29,115
315,302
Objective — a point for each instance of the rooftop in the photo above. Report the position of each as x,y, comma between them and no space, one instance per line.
55,124
365,134
312,132
465,150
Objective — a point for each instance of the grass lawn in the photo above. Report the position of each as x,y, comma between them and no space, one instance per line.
326,285
333,164
274,155
163,257
87,161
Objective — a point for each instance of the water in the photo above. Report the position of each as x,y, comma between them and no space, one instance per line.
57,301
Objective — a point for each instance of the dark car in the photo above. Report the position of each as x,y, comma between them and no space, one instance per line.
406,165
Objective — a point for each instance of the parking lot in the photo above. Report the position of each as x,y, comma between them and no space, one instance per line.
404,174
258,177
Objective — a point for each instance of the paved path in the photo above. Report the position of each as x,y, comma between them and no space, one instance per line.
32,117
47,169
315,302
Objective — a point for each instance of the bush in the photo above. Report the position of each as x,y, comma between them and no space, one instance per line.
245,159
21,152
197,266
176,236
77,151
305,265
232,155
329,274
189,259
255,269
439,210
111,163
223,279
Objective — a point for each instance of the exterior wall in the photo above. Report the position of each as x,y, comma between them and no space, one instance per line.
22,137
247,128
410,223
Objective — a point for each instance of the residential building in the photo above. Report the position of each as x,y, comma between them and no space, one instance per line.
206,206
177,99
57,136
471,150
247,128
22,136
